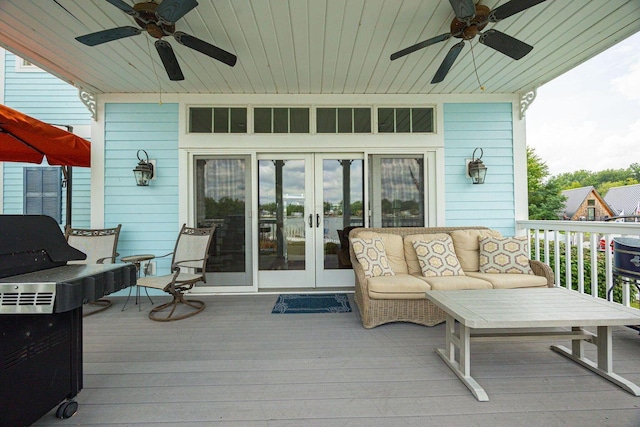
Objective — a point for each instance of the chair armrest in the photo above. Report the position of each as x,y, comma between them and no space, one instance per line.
539,268
176,265
103,259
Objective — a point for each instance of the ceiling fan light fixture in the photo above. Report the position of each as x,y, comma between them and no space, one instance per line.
467,25
158,20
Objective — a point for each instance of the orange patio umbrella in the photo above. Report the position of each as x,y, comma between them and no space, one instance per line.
25,139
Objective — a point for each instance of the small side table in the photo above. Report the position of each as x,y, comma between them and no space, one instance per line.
137,260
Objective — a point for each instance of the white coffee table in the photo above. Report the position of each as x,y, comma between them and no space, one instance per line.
531,314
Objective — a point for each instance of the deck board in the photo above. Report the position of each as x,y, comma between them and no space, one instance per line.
237,364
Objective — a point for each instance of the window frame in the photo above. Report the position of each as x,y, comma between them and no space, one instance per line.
278,109
411,108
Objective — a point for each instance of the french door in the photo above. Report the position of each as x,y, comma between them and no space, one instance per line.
304,203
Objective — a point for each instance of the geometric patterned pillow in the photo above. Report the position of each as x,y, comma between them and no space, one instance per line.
372,257
505,255
437,258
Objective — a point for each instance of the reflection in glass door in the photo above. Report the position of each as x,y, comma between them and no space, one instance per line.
222,192
306,206
284,215
339,196
397,191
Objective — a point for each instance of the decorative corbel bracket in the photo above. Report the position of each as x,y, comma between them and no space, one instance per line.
526,99
89,100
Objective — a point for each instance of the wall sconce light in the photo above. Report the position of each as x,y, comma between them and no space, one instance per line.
476,170
144,171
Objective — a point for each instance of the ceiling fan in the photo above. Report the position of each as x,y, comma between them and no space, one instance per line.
470,20
158,20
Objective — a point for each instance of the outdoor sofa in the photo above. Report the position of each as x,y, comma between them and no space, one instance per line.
397,293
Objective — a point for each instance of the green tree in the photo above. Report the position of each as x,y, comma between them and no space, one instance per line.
634,170
602,181
357,208
545,198
222,208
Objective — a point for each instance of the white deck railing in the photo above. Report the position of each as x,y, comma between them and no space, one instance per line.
547,237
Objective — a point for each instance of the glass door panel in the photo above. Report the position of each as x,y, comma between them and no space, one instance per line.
339,190
397,191
284,214
222,195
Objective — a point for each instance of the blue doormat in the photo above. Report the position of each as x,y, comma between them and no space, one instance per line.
312,303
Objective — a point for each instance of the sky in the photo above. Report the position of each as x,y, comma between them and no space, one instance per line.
589,117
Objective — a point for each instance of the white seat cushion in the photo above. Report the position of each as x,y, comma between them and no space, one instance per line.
511,280
400,286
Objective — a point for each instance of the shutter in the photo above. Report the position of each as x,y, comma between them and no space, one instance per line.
43,192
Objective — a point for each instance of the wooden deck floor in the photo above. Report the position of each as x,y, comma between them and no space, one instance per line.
237,364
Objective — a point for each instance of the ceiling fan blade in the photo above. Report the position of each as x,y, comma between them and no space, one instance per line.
124,7
105,36
464,9
172,10
421,45
169,60
448,62
511,8
504,43
206,48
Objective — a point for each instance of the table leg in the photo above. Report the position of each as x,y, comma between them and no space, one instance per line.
462,369
604,367
128,296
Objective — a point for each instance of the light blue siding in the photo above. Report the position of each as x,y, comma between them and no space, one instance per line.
490,127
49,99
149,215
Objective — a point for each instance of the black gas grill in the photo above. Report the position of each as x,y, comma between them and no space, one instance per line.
41,300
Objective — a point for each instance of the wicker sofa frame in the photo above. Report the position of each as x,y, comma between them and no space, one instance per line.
375,312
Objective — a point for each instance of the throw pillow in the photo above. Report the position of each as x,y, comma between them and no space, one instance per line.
437,258
504,255
372,257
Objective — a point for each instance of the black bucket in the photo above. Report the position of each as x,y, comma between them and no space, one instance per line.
626,257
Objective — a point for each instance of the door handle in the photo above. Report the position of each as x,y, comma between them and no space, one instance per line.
317,220
310,221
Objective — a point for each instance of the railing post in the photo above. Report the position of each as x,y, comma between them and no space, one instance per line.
608,263
547,256
556,257
594,262
580,239
567,259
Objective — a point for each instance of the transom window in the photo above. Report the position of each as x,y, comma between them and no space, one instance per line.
329,120
281,120
343,120
217,120
405,120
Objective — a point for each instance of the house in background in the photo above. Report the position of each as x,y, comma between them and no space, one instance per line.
27,188
624,200
585,204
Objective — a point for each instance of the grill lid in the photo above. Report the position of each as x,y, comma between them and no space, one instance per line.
32,243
